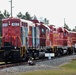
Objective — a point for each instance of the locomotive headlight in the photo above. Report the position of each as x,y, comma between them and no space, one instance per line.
9,22
15,47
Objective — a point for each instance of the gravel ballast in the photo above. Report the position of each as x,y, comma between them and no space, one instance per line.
43,65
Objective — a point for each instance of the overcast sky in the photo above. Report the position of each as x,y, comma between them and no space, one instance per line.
54,10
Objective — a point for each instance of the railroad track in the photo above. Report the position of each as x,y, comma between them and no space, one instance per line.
2,66
12,64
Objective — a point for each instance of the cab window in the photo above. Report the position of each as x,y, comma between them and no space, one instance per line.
43,30
65,34
5,24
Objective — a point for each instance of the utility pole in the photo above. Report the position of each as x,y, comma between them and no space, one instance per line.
64,22
11,6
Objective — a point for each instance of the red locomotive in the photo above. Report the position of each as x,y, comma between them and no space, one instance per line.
22,39
58,40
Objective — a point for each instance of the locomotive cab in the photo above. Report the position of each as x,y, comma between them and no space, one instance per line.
18,40
10,39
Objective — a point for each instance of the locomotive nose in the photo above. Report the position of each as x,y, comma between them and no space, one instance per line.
9,32
7,35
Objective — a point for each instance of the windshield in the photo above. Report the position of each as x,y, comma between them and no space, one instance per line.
5,24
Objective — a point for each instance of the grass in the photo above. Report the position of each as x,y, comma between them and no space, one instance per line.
50,72
71,65
68,69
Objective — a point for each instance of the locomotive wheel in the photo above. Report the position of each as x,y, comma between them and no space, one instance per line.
70,51
58,53
6,56
74,50
25,58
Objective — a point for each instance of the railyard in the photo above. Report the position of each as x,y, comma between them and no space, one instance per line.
33,45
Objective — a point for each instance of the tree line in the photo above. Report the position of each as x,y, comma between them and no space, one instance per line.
26,16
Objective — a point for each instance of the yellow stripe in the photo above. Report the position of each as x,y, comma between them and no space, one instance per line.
20,40
23,51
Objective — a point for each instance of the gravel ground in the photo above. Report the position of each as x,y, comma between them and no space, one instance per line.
58,61
44,65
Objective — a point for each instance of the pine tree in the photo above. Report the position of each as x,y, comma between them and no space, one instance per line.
1,17
34,17
6,14
66,26
19,15
27,16
46,21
